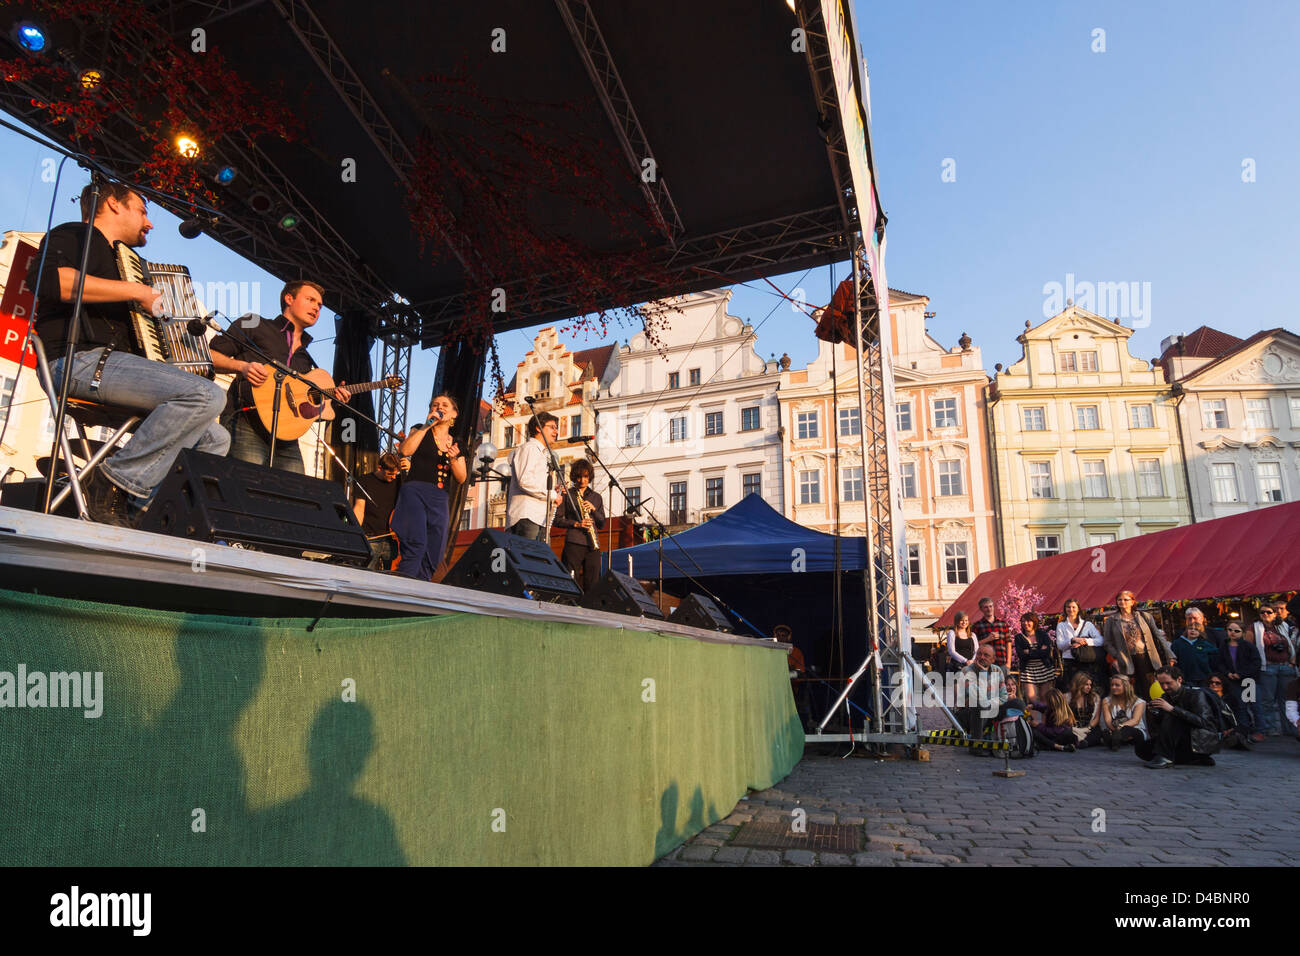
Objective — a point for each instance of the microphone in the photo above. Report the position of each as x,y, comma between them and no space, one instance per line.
583,438
197,327
433,419
190,228
528,399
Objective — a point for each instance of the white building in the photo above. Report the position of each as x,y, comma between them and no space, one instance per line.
1239,418
691,424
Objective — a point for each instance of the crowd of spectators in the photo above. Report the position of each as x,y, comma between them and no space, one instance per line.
1173,701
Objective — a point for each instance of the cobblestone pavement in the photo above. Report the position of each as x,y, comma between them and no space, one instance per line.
953,811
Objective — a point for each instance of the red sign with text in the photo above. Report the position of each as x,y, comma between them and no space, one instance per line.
16,307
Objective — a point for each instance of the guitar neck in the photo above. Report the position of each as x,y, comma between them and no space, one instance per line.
363,387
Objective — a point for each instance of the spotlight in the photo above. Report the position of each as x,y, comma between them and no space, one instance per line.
225,175
259,202
187,146
289,221
30,37
90,80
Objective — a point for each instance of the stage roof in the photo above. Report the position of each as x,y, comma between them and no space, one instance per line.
1241,555
752,170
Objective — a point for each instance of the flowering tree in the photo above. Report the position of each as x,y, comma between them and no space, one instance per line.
1014,601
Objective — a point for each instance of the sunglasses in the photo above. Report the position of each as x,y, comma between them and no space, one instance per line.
1268,612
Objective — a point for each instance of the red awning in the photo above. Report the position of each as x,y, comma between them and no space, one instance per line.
1257,552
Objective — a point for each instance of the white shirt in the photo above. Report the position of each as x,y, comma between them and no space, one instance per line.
529,497
1066,632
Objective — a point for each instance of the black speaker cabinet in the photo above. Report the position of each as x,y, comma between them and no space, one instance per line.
502,563
699,611
208,498
621,594
30,496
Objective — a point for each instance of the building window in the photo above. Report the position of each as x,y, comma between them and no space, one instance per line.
1040,480
806,424
1087,418
1215,411
632,435
903,414
6,396
945,413
544,384
1270,481
575,426
1150,482
713,492
950,482
851,483
465,515
1224,477
1141,416
955,569
908,472
1046,545
810,487
1100,538
1067,362
713,423
1087,361
677,502
507,437
633,493
499,521
1094,480
1294,402
677,428
1036,419
695,376
914,565
749,419
674,379
1258,414
850,422
752,484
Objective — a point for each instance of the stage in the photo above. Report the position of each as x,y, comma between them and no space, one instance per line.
258,709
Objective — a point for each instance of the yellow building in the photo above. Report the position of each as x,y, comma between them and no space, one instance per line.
1085,441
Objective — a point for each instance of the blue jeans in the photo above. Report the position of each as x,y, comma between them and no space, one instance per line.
420,521
247,444
1273,681
181,407
531,529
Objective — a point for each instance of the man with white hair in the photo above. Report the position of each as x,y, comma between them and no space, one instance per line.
1195,654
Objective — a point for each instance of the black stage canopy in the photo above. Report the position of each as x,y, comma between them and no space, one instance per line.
751,177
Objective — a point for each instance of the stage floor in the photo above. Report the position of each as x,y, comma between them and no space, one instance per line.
71,558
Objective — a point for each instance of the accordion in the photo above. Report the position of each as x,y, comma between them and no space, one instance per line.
165,338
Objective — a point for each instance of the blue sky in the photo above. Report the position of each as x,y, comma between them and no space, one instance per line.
1117,166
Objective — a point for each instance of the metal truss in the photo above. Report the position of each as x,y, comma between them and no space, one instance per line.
391,409
822,76
581,21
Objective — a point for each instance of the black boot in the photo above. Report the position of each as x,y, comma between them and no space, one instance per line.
106,503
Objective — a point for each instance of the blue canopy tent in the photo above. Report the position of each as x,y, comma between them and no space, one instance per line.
770,570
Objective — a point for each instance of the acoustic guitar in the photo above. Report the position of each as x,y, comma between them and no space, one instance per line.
302,405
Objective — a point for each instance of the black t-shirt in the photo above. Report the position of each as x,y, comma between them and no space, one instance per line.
102,323
380,509
429,464
565,518
269,335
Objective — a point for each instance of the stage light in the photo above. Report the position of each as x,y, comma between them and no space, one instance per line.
90,79
225,175
259,202
289,221
790,4
187,146
30,36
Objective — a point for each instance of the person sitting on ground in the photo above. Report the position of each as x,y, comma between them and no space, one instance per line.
1239,660
1086,705
1232,734
984,691
961,642
1034,652
1195,655
1184,730
1054,721
1123,715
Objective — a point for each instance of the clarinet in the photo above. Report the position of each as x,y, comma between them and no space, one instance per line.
586,508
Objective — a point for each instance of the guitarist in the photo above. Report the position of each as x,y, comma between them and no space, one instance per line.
180,407
285,339
578,555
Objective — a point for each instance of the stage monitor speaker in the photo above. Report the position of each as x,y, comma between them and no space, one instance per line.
702,612
208,498
29,495
620,594
502,563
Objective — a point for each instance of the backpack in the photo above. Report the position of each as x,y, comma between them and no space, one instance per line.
1021,737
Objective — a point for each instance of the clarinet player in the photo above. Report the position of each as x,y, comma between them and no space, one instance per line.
581,555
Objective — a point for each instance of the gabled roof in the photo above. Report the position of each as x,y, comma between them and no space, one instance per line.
598,358
1205,342
1239,348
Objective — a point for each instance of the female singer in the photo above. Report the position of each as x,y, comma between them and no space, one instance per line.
579,556
421,519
